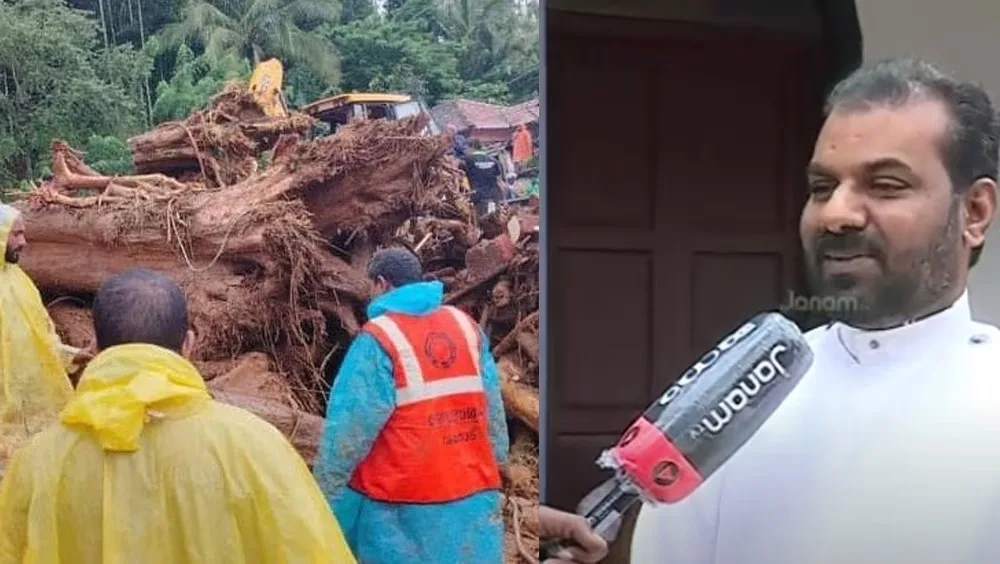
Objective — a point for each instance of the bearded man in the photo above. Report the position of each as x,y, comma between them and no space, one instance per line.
888,449
34,385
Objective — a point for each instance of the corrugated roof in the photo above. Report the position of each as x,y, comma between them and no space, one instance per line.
525,112
464,113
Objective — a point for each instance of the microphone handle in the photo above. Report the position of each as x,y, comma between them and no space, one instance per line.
603,518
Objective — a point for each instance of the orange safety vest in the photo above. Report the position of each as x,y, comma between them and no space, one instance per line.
522,145
435,447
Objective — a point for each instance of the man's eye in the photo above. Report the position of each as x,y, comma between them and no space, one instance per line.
820,188
888,186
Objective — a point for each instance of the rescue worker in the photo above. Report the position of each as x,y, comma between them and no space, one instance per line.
887,450
145,467
508,170
522,145
34,384
485,177
459,149
415,433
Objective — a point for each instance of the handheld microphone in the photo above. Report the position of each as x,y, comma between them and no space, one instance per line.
700,421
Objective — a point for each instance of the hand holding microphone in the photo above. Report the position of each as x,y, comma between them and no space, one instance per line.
584,544
698,423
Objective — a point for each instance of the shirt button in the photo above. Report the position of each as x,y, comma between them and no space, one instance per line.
979,339
873,344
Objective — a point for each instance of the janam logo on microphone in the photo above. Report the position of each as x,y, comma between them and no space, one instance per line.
744,391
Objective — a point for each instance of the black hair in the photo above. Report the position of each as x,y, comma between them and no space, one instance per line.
140,306
397,265
970,150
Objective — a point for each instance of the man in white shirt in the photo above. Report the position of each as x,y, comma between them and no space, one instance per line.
889,448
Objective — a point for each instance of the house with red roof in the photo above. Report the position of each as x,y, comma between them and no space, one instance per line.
487,122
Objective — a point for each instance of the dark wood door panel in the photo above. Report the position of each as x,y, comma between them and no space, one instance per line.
602,345
726,288
575,456
674,187
720,151
705,291
599,95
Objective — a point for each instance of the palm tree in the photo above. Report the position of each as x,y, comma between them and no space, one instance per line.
475,24
470,18
258,29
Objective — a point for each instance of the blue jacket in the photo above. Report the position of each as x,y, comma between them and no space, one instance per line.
361,401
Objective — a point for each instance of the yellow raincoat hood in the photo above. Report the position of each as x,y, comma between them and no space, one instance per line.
125,386
33,381
145,467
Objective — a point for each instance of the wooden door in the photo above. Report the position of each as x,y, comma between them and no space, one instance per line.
676,162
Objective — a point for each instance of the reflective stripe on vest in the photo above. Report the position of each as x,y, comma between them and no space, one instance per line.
435,447
416,388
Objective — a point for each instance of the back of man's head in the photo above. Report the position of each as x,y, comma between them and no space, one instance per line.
397,265
140,306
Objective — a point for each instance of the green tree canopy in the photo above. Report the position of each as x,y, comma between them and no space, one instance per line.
56,83
356,10
195,81
258,29
387,55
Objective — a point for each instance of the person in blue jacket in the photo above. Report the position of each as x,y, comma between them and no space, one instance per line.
415,435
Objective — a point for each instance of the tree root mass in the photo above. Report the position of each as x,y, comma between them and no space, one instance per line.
272,258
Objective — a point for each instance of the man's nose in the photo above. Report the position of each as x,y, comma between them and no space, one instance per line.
843,211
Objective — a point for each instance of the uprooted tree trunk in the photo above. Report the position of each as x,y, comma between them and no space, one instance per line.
258,260
217,146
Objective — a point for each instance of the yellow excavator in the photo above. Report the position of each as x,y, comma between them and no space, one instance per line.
334,111
265,87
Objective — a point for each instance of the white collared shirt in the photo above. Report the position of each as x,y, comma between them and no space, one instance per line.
887,451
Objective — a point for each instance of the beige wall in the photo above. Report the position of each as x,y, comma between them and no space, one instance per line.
961,36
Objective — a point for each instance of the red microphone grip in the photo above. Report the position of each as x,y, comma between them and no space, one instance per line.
654,464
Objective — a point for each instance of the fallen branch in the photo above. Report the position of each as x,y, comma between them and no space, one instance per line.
520,400
509,342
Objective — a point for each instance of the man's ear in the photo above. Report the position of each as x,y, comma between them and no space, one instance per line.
187,347
979,207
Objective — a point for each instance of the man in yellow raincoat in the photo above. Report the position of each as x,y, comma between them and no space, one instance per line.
145,467
33,381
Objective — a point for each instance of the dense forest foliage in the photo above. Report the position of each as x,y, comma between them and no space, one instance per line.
94,72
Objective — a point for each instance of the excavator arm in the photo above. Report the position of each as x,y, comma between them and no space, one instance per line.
265,87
